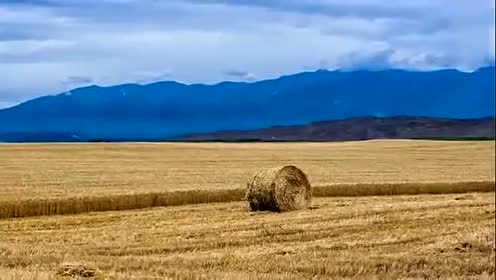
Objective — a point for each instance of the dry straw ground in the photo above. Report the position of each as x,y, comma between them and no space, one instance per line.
416,237
370,237
77,178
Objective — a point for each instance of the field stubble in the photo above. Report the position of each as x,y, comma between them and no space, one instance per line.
366,236
417,237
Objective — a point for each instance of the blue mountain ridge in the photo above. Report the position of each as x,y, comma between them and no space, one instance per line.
165,109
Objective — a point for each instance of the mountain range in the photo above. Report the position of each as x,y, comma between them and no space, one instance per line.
164,110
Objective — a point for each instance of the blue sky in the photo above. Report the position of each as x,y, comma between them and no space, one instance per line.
51,46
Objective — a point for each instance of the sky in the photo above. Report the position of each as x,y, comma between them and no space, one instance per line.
52,46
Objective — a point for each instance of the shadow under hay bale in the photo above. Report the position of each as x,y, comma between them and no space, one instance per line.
279,189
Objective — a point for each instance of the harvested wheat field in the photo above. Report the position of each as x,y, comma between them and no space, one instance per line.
395,209
416,237
47,179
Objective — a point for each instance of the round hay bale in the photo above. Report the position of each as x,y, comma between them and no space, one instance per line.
279,189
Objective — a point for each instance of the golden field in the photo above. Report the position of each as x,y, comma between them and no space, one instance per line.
361,224
66,170
47,179
396,237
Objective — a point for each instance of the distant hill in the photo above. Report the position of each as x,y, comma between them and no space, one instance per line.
337,130
164,109
362,129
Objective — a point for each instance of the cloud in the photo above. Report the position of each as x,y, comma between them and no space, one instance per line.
334,8
77,80
145,77
46,42
27,2
240,74
14,33
383,56
48,3
376,57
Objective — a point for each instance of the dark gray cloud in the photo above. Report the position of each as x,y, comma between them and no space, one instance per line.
77,80
239,74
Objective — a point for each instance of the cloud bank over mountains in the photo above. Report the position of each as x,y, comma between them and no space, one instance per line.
51,46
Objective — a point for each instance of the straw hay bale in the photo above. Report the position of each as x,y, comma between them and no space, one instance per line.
279,189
